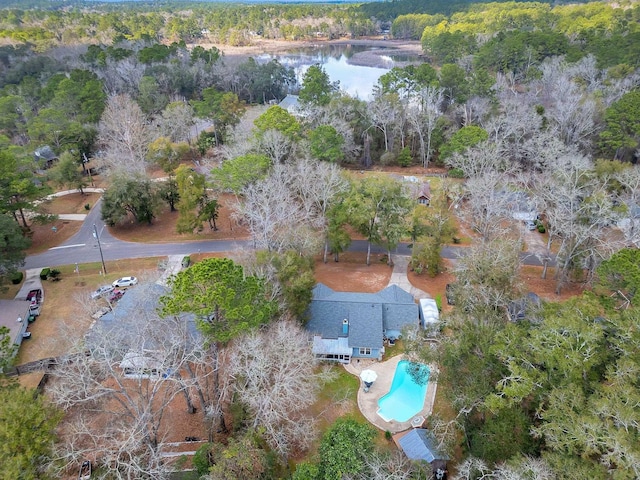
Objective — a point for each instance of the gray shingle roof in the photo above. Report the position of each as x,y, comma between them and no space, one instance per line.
369,314
127,322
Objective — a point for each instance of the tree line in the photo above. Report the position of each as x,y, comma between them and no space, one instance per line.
205,22
543,126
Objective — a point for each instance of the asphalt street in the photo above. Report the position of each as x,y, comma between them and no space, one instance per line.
83,247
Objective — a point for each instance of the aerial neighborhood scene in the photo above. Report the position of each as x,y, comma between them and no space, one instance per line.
386,240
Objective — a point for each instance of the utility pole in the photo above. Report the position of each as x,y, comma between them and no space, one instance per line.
95,234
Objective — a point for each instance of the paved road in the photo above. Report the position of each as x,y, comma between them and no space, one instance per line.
83,247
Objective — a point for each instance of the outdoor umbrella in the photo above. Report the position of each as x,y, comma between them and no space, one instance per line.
368,377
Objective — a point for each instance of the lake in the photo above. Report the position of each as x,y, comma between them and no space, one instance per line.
356,67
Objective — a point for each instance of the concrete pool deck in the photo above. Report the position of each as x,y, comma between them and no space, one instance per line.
368,401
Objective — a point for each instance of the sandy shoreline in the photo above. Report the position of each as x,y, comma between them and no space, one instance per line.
374,57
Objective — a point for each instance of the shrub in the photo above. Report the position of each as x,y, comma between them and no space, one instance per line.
54,274
404,158
205,141
186,261
388,435
438,299
44,273
541,228
16,277
201,459
87,207
456,173
387,158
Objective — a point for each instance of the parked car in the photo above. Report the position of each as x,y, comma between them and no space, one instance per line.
530,225
115,296
101,291
125,282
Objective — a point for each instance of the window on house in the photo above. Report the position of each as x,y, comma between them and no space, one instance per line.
365,351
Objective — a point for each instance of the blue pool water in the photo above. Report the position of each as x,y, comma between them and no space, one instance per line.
406,397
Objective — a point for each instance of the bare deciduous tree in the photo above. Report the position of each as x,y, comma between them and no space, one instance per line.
487,188
579,212
474,110
394,466
423,119
122,77
487,277
117,388
124,135
318,184
275,145
273,372
510,130
526,468
270,209
571,108
286,210
629,178
481,159
177,122
384,113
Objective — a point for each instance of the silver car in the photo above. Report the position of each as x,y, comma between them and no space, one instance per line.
101,291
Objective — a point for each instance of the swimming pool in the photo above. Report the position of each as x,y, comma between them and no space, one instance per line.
406,397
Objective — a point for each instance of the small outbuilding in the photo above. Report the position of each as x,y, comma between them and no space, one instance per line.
44,157
419,445
429,314
424,194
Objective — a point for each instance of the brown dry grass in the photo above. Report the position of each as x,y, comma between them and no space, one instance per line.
66,311
163,228
43,237
530,277
72,203
351,273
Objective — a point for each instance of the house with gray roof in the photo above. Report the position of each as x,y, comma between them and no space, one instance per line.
291,104
349,325
14,315
128,332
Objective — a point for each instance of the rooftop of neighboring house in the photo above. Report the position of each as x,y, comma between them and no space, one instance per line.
10,312
125,324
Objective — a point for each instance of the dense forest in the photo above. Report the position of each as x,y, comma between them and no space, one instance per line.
513,100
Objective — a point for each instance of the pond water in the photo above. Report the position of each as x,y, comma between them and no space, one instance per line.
339,63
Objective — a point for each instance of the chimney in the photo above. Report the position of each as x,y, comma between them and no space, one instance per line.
345,327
